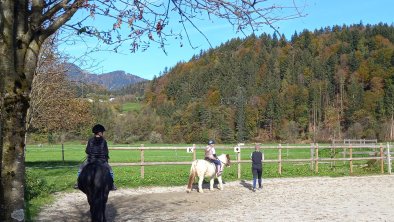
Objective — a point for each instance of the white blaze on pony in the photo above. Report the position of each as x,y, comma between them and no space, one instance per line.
202,169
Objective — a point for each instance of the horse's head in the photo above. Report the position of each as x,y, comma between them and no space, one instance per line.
225,158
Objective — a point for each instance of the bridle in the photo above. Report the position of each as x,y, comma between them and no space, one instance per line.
226,164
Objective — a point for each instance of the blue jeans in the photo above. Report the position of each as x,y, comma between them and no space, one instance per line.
218,164
257,172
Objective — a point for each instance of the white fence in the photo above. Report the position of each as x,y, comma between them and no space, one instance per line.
382,154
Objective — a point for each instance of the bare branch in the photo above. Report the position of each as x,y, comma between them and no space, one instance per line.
143,17
62,19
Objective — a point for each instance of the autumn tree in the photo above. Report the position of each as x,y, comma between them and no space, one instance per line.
54,107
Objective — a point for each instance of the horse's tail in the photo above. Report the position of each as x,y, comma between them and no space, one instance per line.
192,176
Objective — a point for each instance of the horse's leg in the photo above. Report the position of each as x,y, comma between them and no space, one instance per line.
106,193
200,179
220,186
103,209
211,183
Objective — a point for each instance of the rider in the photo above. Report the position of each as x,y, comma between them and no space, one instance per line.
210,155
97,149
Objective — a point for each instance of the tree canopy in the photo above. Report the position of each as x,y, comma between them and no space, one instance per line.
325,84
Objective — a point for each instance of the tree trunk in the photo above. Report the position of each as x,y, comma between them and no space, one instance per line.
17,67
16,73
13,164
14,105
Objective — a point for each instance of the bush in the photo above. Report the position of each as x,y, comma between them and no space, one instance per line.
132,139
35,186
155,137
37,138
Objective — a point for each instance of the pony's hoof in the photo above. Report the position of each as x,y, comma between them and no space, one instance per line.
200,191
188,190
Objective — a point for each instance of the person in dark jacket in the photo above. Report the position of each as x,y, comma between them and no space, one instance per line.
97,150
257,166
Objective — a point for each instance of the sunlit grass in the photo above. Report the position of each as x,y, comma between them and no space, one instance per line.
129,106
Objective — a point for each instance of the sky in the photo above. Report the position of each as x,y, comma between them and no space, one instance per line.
152,62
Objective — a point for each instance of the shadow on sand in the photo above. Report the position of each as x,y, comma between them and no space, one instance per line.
246,184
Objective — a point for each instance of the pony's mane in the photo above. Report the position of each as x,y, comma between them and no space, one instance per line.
226,157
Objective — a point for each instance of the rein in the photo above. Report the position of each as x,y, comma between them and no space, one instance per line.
226,164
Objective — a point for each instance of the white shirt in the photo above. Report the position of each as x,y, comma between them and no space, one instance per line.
210,152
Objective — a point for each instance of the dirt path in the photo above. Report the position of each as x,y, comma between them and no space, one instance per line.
369,198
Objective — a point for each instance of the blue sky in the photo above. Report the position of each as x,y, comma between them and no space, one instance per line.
320,13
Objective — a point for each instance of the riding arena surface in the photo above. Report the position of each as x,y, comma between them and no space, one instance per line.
364,198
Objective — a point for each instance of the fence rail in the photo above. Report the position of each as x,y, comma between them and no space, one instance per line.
381,154
353,141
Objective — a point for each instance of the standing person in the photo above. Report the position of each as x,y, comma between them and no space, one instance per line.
257,166
97,150
210,155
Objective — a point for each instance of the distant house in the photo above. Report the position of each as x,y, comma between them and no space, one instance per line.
111,99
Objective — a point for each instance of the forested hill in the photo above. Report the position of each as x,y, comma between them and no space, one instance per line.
335,82
111,81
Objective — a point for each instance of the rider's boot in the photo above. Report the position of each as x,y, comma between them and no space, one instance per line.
219,170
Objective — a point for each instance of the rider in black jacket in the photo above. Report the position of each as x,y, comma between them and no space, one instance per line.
97,150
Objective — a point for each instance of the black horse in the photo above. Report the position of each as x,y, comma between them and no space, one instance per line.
95,181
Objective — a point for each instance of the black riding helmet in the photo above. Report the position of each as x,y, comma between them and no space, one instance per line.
210,142
98,128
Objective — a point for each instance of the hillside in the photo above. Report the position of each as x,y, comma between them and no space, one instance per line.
111,81
336,82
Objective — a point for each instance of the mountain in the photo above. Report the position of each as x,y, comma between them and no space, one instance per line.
111,81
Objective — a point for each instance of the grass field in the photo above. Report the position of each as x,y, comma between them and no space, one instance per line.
47,173
129,106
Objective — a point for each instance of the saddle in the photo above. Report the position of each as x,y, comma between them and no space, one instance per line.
216,166
208,159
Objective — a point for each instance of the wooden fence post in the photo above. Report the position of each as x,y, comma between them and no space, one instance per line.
63,152
317,158
280,159
287,150
194,152
312,154
332,155
350,160
142,161
381,159
239,164
388,159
